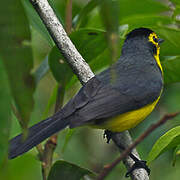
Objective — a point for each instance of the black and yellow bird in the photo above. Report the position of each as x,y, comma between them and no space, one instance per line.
115,105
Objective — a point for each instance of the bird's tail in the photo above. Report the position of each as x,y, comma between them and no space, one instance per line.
36,135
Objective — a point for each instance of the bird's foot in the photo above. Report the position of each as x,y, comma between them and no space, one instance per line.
138,164
107,135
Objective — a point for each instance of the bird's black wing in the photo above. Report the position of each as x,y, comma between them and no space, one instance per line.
101,101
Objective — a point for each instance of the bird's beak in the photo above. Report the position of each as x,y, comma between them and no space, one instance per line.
160,41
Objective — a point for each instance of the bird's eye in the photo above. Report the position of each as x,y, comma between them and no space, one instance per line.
155,39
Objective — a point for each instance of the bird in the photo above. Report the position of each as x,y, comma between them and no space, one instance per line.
114,105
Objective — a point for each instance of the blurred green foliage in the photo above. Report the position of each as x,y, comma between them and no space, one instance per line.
61,169
29,60
17,57
5,114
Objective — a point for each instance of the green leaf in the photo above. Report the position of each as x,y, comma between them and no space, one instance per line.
67,171
50,103
146,20
68,137
170,54
166,142
141,7
171,45
60,69
91,44
95,21
5,113
101,61
133,13
175,154
17,56
171,70
81,18
36,22
25,167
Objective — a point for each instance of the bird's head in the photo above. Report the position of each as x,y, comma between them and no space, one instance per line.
142,39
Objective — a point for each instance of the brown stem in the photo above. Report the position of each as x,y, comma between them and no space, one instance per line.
69,16
46,156
107,169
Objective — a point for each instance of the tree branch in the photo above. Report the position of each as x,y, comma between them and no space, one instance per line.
77,63
125,139
125,153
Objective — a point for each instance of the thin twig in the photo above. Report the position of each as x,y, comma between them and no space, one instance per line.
40,150
108,169
48,156
69,16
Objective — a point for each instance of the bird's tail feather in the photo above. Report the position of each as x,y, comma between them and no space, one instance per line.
36,135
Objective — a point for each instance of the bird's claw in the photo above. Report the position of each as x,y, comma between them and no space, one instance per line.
107,135
138,164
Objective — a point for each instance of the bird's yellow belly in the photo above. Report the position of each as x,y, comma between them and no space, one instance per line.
128,120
